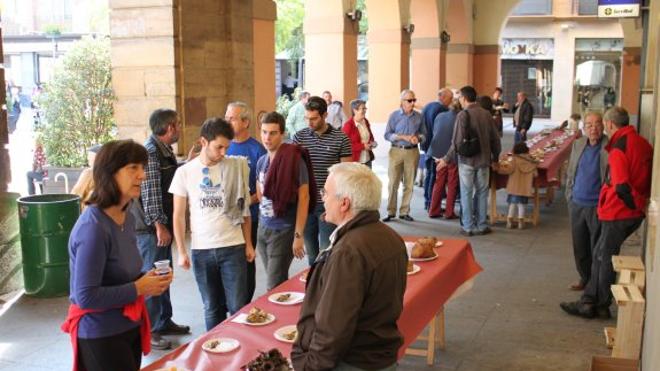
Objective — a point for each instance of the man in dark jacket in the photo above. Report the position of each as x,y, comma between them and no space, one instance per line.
430,112
621,207
355,288
473,171
523,114
154,218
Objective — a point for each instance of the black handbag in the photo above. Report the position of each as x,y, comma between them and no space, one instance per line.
469,146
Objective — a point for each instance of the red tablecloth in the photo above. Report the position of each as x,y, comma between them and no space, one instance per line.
426,293
548,169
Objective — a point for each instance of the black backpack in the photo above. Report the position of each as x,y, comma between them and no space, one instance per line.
469,146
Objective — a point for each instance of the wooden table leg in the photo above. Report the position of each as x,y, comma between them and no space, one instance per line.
537,206
430,343
493,201
440,333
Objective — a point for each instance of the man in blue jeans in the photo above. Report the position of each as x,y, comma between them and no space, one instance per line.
153,216
218,190
327,146
473,171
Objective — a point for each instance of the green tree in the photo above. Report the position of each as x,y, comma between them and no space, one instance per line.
77,103
289,28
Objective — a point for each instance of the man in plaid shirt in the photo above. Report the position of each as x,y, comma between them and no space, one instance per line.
154,218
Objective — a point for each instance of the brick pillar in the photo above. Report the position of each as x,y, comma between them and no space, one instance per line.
389,71
264,13
144,75
428,67
486,63
630,79
459,64
194,56
330,50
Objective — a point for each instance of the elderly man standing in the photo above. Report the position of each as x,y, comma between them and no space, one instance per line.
430,112
405,129
523,114
295,120
473,168
584,178
621,207
238,115
355,288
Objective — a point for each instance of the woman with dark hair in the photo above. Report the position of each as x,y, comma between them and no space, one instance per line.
107,318
358,131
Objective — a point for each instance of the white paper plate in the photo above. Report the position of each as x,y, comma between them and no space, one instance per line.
295,298
269,319
424,259
226,345
416,269
283,330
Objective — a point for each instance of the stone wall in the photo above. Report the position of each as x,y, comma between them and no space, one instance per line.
194,56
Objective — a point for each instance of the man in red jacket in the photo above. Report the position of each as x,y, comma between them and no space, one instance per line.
621,207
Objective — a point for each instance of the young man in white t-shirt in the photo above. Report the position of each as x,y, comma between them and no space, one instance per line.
218,191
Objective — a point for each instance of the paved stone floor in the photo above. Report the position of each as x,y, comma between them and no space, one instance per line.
510,320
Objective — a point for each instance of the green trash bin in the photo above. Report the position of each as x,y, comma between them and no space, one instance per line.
45,223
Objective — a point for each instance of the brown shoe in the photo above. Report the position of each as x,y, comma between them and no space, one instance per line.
578,286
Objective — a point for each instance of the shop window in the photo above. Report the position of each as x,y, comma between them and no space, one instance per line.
587,7
533,7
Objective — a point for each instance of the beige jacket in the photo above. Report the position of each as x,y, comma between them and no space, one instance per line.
521,170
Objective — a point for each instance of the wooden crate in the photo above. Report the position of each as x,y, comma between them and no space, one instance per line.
610,336
621,262
630,320
600,363
632,277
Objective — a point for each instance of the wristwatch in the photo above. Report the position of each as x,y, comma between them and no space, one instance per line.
297,235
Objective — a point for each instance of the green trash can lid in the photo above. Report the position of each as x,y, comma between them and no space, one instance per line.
48,199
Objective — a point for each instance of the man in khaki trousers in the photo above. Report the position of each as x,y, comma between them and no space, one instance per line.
405,130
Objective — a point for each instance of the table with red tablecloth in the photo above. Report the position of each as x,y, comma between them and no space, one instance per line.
549,174
426,293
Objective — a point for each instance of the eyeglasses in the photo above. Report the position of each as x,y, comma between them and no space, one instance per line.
410,100
206,181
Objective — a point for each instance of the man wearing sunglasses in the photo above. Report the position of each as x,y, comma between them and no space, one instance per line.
405,130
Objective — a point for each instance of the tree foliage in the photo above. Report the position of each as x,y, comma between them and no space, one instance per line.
77,103
289,28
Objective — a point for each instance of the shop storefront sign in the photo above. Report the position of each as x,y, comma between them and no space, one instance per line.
528,49
618,8
598,45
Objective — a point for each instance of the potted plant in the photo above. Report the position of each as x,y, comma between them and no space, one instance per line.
77,106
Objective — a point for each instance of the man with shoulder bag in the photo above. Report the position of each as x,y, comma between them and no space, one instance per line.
475,146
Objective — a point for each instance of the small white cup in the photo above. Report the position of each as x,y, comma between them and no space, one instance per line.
162,267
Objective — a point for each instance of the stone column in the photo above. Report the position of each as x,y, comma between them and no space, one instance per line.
486,64
630,79
5,166
194,56
264,13
144,67
459,66
428,67
389,70
330,50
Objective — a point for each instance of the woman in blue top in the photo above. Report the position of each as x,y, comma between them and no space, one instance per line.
107,285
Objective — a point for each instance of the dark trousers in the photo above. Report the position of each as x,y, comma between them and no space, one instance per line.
585,229
612,235
118,352
429,180
159,307
519,137
251,267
